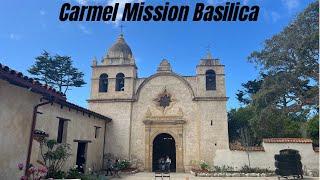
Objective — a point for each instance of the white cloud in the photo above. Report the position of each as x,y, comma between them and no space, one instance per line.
82,2
245,2
43,12
14,36
275,16
110,3
291,4
121,7
84,29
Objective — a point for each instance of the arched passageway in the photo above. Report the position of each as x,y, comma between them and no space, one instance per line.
163,145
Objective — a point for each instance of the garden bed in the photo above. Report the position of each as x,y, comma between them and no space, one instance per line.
129,171
206,173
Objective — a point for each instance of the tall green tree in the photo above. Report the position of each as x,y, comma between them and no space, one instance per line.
57,71
285,95
290,60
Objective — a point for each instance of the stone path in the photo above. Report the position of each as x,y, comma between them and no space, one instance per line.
185,176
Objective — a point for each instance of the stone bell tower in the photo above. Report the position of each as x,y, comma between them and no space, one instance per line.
211,99
112,94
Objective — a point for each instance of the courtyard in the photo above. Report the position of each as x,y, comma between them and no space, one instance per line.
186,176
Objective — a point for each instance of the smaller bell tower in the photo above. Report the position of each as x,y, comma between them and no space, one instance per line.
211,99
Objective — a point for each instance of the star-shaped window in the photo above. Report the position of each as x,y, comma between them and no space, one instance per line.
165,100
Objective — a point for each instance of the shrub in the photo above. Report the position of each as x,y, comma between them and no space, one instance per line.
247,169
73,173
223,168
57,174
54,156
204,165
124,164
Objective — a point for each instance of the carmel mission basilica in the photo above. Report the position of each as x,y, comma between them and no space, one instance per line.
132,118
183,117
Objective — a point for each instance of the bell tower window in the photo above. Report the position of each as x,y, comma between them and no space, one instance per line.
120,82
103,83
210,80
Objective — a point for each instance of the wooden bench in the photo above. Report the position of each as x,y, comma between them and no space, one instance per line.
161,175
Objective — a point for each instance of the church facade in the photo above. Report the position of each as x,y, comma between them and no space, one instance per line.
165,114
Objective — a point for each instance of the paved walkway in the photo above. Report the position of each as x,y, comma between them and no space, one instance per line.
185,176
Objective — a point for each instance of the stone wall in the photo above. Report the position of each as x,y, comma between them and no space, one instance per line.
265,159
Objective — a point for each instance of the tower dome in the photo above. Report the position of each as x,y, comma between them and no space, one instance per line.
120,49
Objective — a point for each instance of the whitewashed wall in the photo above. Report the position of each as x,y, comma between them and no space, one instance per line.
265,159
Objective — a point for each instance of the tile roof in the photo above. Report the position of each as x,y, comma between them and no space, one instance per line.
287,140
18,79
238,147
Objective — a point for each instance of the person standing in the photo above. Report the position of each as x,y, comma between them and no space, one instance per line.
116,168
168,163
162,162
109,167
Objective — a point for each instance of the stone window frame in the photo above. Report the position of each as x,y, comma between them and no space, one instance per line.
120,81
62,133
103,83
211,81
97,130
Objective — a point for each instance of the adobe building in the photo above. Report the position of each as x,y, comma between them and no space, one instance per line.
24,102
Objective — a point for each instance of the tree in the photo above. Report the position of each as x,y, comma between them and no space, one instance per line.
249,89
290,60
285,95
238,123
313,129
56,71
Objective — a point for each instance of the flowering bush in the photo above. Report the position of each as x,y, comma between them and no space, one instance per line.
54,156
34,173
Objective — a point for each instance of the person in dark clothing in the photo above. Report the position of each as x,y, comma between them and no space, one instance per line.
116,168
109,167
162,162
168,163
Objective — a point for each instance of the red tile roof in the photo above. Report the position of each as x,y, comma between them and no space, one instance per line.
18,79
238,147
287,140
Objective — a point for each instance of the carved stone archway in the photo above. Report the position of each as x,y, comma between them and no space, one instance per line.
169,125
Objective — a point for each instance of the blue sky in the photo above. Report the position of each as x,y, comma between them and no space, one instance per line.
29,27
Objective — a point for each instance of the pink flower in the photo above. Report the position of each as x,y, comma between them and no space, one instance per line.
23,178
32,170
42,169
20,166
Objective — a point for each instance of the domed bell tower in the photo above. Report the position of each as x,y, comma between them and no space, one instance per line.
112,94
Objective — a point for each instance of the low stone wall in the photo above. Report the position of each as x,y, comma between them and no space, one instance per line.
264,158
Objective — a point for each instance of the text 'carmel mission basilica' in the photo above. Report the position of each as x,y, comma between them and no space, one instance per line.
166,114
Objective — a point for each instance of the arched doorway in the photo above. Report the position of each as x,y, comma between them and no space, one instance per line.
164,145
